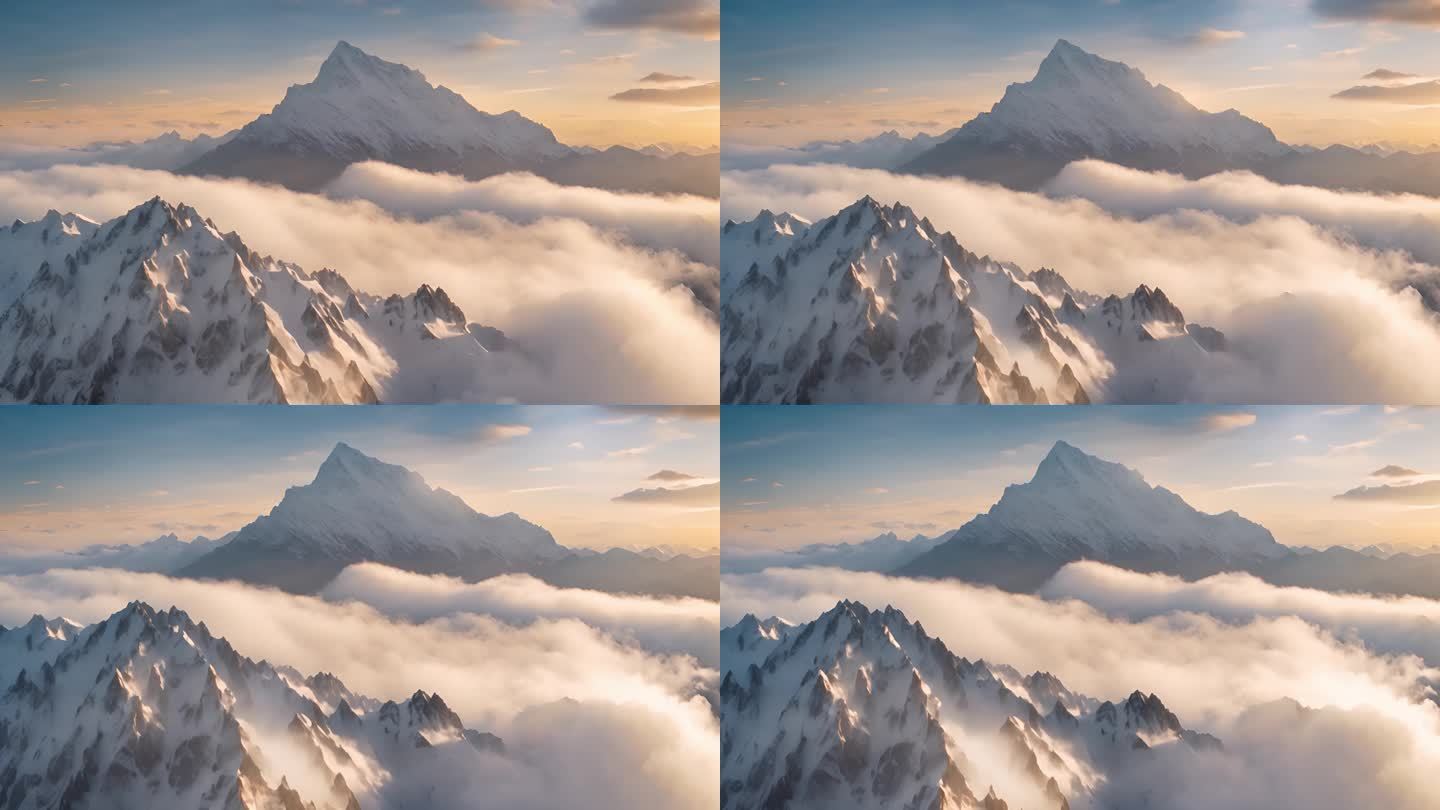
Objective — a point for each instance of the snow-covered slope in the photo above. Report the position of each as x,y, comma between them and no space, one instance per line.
1080,507
147,710
360,107
159,305
1080,105
360,509
862,708
876,304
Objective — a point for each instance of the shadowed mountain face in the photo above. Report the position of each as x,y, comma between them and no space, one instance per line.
861,708
161,305
147,710
877,304
1079,507
1081,106
360,107
359,509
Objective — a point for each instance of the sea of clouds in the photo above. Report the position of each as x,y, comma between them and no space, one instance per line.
603,701
1321,700
612,293
1316,290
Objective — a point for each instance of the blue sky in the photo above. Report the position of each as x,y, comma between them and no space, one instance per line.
82,475
812,69
801,475
78,71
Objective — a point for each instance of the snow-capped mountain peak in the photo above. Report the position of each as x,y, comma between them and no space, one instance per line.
159,304
862,708
1079,507
361,107
347,468
148,709
876,303
1079,105
1067,465
360,509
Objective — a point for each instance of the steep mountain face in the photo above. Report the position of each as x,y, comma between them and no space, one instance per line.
862,708
876,304
1078,507
360,509
360,107
159,305
148,710
1080,105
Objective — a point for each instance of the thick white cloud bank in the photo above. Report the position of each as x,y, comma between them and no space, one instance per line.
682,625
607,315
1329,716
1395,625
680,222
1409,222
552,687
1312,314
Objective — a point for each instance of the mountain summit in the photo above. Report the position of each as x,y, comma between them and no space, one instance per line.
149,709
360,107
161,305
862,708
1080,105
876,303
1079,507
360,509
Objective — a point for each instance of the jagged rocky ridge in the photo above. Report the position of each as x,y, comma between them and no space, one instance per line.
148,710
876,304
360,107
862,708
160,305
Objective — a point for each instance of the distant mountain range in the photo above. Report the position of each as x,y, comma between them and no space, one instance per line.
360,107
861,708
359,509
148,709
877,304
1079,507
160,305
1081,106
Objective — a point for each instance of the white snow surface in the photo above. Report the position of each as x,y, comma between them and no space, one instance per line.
875,304
1078,501
360,106
159,305
861,708
147,710
1081,102
358,507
